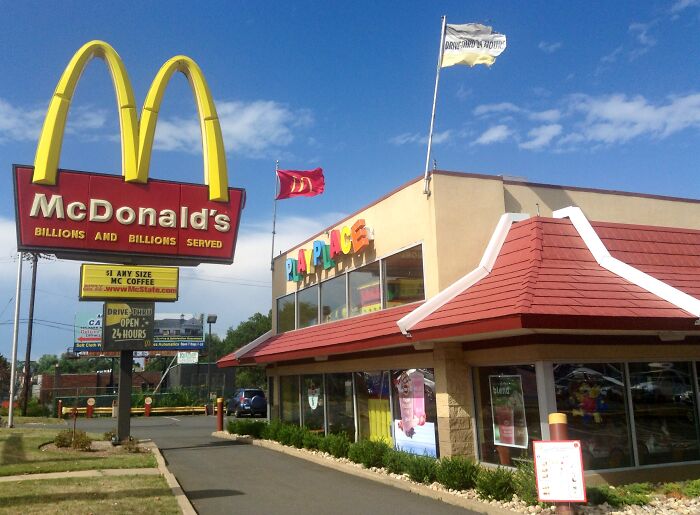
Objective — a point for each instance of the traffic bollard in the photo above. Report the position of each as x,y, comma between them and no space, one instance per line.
147,406
59,409
220,414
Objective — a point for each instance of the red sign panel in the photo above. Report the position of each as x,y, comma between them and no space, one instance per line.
101,217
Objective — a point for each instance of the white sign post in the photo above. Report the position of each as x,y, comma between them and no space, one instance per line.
559,471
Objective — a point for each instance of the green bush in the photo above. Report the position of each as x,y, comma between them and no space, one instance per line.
368,452
632,494
130,445
108,435
673,490
604,494
691,488
34,409
457,472
495,483
311,441
78,440
246,427
337,445
396,462
421,468
525,484
271,431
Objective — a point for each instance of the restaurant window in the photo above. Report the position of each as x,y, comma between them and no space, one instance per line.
415,411
403,277
341,413
373,408
312,402
509,417
365,296
285,313
307,300
289,399
593,396
334,304
664,412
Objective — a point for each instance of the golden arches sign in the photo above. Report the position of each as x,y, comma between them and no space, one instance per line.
303,181
136,136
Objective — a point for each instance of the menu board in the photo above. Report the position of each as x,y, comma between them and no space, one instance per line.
559,471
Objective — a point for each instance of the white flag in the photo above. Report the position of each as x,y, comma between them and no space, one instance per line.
471,44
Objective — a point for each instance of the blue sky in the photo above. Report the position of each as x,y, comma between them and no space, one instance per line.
597,94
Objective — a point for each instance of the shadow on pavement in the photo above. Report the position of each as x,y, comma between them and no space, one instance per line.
219,443
195,495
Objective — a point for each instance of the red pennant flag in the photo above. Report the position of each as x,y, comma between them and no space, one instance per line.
300,183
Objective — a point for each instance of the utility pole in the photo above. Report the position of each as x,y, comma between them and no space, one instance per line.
30,325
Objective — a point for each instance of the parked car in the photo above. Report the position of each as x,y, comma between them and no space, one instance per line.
247,401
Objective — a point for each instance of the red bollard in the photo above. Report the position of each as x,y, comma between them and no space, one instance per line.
558,431
220,414
147,406
90,410
59,409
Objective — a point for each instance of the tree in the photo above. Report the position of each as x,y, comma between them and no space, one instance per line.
246,332
67,364
4,376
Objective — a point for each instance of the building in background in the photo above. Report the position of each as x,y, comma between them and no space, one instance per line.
454,324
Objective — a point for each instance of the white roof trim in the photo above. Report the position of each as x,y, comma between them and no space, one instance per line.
631,274
481,271
250,346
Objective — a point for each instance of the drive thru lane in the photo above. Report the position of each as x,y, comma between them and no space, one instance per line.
222,476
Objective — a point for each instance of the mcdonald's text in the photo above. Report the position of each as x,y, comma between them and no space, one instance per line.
88,215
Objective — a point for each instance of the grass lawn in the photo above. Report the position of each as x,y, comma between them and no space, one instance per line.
117,494
20,454
36,420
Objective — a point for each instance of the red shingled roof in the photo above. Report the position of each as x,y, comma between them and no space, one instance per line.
545,272
353,334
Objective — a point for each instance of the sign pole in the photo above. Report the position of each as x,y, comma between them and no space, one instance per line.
274,218
126,364
30,326
558,430
15,335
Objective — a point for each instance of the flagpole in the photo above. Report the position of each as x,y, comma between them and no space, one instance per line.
274,219
426,187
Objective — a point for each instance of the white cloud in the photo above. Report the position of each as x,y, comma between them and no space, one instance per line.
254,129
541,136
618,118
549,48
550,115
503,107
415,137
682,5
612,56
494,134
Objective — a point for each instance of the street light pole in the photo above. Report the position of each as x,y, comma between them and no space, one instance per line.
211,319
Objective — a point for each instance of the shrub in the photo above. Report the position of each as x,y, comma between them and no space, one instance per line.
311,440
130,445
604,494
338,445
64,438
692,488
396,462
457,472
495,484
525,484
34,409
271,430
369,453
78,440
246,427
635,493
421,468
108,436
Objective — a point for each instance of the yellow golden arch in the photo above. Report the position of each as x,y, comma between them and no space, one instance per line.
303,181
136,137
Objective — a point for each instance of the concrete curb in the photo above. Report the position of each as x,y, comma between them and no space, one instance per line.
82,473
424,490
182,501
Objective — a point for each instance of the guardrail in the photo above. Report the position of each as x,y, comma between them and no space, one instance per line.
67,410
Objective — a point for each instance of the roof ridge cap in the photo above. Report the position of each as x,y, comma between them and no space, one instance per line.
530,280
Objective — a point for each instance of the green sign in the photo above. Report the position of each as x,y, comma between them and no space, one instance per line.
127,326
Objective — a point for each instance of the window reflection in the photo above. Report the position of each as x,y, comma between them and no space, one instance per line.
308,306
341,417
664,412
593,398
364,290
333,299
373,409
285,313
289,398
404,277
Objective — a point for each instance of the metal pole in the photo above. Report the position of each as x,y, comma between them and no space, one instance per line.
30,325
274,218
126,365
209,365
15,334
426,187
